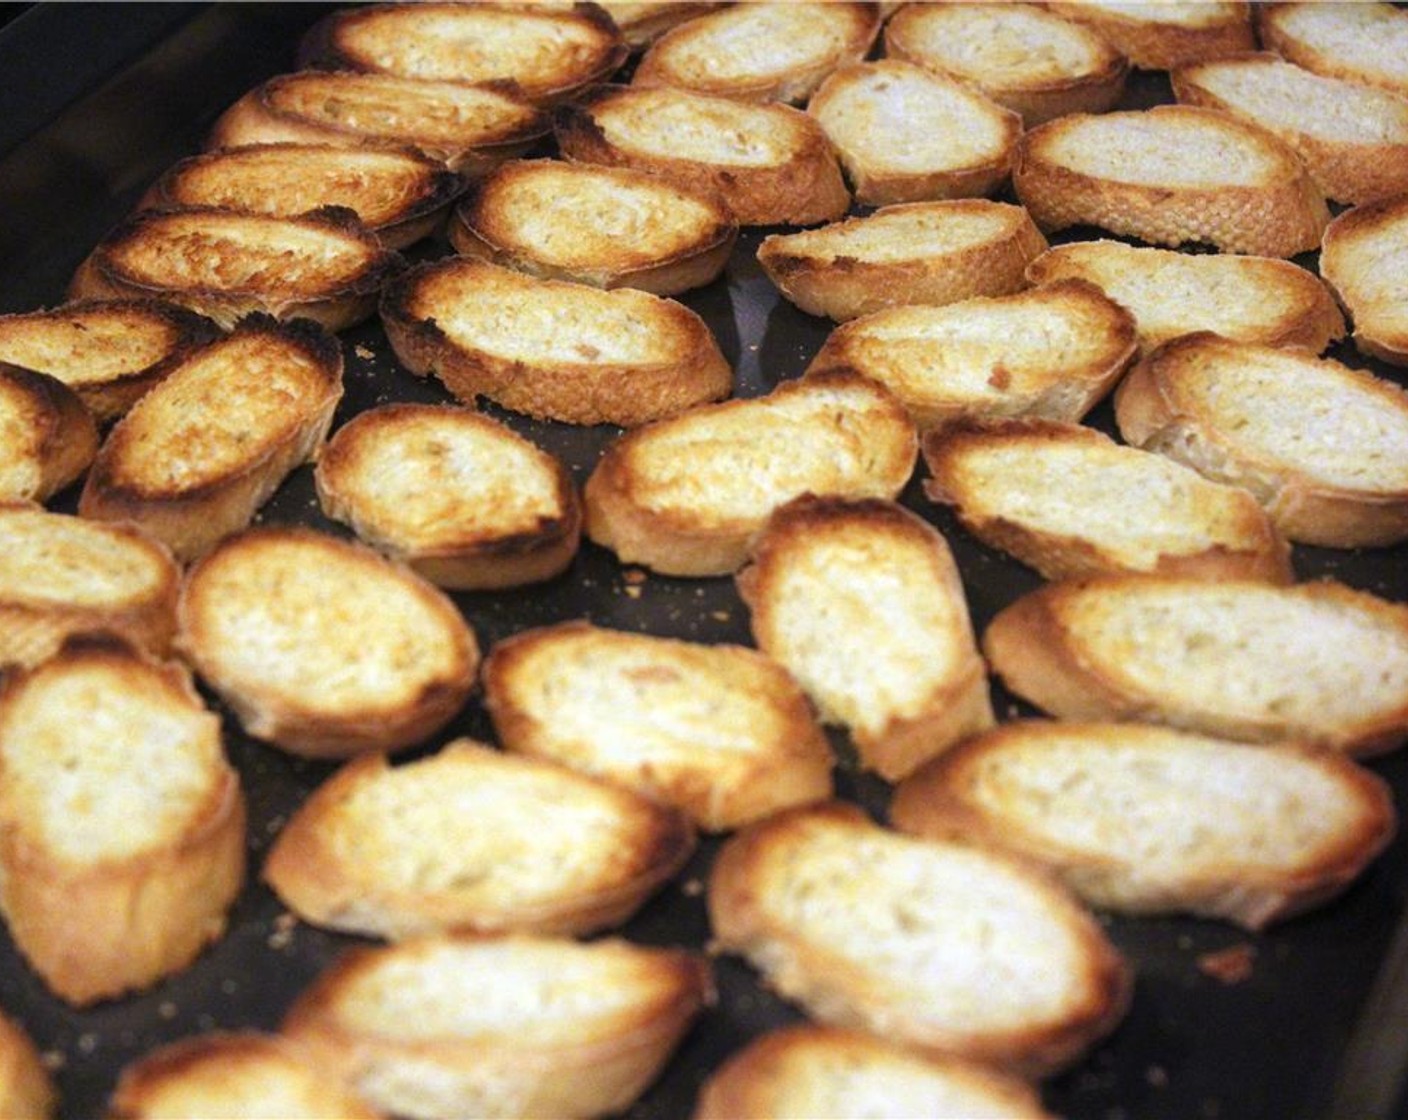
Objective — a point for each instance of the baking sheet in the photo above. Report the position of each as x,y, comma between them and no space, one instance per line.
1317,1028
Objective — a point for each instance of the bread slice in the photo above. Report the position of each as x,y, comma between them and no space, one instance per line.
1363,42
684,496
1352,138
47,437
464,841
641,22
720,731
400,194
121,832
275,620
511,1026
761,52
1070,501
1236,659
610,227
109,352
1246,298
1363,258
914,252
869,929
1323,447
26,1088
1037,64
771,163
226,264
1147,820
469,128
62,575
549,348
460,498
812,1070
197,456
905,134
1162,36
832,585
550,51
231,1074
1054,351
1171,175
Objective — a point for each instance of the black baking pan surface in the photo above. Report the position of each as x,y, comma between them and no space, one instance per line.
1317,1027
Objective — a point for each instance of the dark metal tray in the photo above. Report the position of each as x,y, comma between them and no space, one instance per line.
97,100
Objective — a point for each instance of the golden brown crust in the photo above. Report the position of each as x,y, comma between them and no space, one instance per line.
1357,258
26,1088
641,23
1153,43
1380,28
49,436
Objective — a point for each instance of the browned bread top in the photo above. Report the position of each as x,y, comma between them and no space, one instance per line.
1364,257
643,21
26,1087
1160,36
47,436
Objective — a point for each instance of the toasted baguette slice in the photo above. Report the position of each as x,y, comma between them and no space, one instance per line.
552,349
915,252
1250,299
641,23
833,585
1070,501
197,456
900,937
513,1026
401,195
1323,447
722,732
1352,138
233,1075
811,1070
685,496
26,1088
610,227
1362,42
1170,175
226,264
771,163
1146,820
469,128
1035,63
276,621
121,823
62,575
905,134
1237,659
109,352
1053,351
460,498
551,52
1157,36
458,842
47,437
1363,258
761,52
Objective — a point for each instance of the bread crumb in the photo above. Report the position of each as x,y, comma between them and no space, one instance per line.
366,353
54,1060
634,577
691,888
1157,1076
632,592
1232,965
283,931
720,616
166,1009
87,1042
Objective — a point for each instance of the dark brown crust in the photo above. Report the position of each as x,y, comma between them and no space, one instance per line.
64,433
1152,45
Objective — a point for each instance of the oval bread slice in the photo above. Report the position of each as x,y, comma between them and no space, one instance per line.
473,840
1364,42
1171,175
1246,298
722,732
26,1087
915,252
275,620
1364,257
771,163
684,496
552,349
511,1026
1323,447
121,832
1161,36
1053,351
609,227
48,437
641,22
460,498
199,454
869,929
1146,820
1241,660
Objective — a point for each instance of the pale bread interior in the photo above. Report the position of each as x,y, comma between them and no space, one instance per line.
904,233
21,442
686,126
59,561
1369,38
746,42
88,348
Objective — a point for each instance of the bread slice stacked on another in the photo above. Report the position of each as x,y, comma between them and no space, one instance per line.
915,252
509,1026
1364,257
1161,36
1363,42
1244,660
48,437
641,22
122,840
